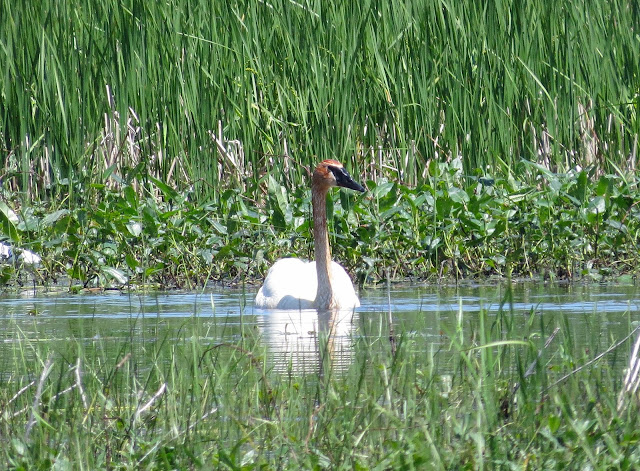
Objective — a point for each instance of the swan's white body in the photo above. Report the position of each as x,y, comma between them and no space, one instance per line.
321,284
293,284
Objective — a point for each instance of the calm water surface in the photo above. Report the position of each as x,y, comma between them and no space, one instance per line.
596,316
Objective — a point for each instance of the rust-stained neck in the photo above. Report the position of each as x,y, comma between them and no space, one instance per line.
329,173
324,296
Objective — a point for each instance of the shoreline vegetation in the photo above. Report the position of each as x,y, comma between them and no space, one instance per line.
169,143
512,390
562,227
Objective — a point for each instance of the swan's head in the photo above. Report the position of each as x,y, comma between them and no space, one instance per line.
330,173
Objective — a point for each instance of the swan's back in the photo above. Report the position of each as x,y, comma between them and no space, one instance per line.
292,283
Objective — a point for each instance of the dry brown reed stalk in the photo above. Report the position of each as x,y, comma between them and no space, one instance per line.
232,157
116,152
589,138
120,154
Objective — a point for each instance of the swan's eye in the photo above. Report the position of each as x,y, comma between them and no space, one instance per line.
339,173
343,178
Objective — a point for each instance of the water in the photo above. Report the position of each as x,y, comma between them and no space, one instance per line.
595,315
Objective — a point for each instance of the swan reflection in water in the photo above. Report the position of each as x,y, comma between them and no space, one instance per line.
308,341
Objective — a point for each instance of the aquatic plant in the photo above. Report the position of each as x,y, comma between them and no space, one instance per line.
495,140
563,226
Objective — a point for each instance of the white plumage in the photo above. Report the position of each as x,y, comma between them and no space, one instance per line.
293,284
25,257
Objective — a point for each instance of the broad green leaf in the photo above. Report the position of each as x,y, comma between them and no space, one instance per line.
458,195
169,193
382,190
218,227
114,273
131,262
580,192
107,173
54,217
130,196
597,205
134,228
8,221
279,192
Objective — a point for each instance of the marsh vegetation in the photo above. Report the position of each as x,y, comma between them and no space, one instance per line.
532,380
150,142
167,144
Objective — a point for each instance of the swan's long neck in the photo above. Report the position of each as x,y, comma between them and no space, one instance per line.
324,296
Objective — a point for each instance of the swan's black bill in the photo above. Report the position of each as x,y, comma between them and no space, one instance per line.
344,180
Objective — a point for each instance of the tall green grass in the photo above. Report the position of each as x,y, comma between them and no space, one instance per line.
120,88
489,398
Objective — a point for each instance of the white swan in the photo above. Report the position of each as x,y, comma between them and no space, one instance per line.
297,284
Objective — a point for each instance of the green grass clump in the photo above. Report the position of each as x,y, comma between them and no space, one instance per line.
488,398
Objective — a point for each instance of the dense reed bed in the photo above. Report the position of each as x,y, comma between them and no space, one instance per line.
219,94
487,399
156,142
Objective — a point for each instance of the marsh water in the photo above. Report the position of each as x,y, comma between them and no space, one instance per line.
593,316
